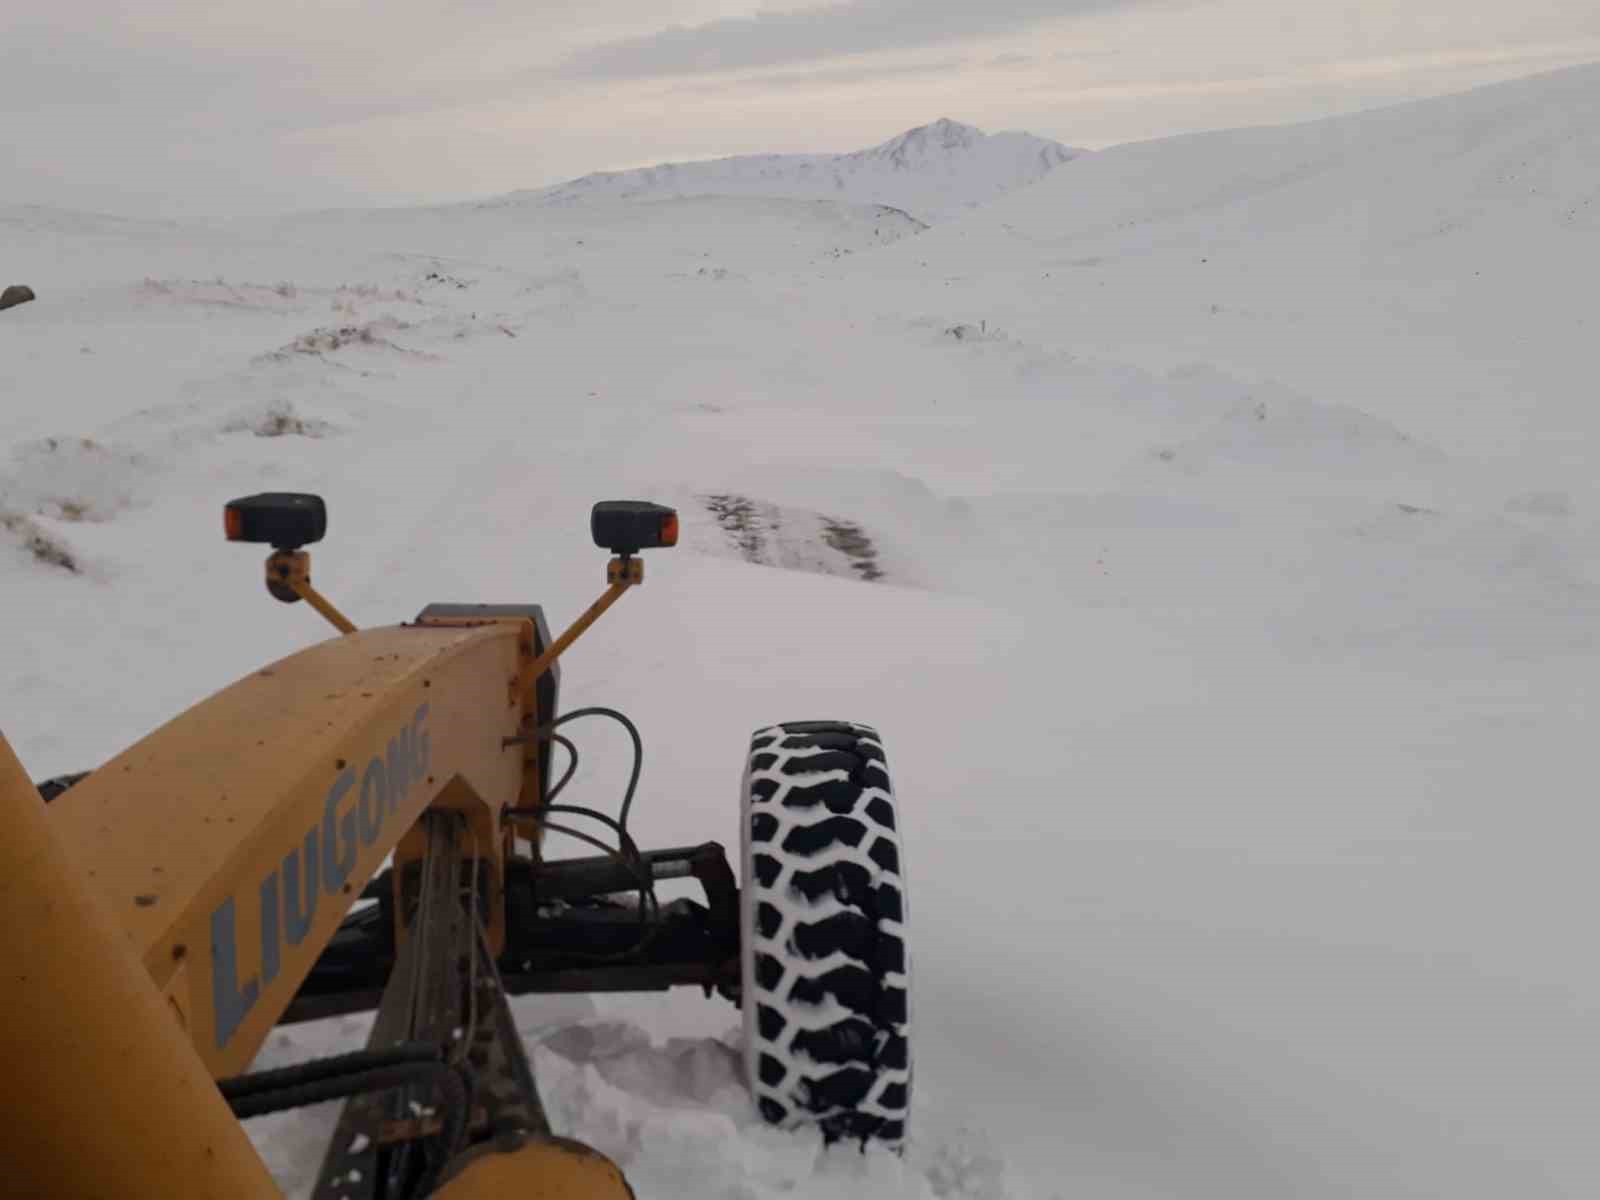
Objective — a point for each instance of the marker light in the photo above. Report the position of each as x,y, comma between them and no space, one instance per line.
285,520
628,526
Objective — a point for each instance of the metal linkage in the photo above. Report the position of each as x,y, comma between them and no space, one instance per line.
443,1016
565,935
359,1164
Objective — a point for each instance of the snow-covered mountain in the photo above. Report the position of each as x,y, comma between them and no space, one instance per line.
933,172
1454,239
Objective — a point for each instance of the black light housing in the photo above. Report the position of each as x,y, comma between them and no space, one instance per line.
628,526
284,520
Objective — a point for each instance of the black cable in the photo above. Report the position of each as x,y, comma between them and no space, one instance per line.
629,856
546,730
572,766
627,852
625,843
552,827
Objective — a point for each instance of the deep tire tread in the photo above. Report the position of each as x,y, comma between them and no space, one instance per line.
825,918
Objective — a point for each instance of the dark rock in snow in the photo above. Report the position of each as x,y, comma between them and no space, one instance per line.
14,295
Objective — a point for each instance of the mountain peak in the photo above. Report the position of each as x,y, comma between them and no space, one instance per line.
943,135
949,132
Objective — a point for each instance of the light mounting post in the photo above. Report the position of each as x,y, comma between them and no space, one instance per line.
286,521
624,527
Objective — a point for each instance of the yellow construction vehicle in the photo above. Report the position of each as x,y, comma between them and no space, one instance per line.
362,826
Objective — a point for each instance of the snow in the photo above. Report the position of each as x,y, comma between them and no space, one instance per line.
1232,644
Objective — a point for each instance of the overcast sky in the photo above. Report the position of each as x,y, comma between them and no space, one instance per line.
193,107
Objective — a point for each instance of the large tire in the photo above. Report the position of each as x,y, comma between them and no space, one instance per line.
825,988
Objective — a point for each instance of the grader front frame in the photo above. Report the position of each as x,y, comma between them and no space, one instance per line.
160,915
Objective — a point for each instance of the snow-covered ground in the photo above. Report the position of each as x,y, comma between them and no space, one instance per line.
1209,528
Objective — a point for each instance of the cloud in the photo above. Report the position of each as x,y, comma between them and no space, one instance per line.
772,39
178,107
827,76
